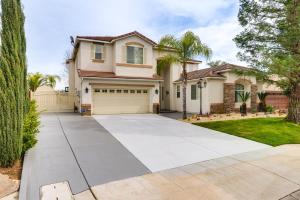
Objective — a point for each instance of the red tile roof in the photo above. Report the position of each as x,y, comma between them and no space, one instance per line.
212,72
114,38
98,74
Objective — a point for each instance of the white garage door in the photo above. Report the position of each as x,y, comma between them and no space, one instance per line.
118,101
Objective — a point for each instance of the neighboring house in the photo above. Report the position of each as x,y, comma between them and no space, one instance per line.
221,94
113,75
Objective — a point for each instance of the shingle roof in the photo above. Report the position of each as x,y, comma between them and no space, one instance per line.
212,72
113,38
99,74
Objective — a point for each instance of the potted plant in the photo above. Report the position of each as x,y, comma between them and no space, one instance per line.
244,97
262,101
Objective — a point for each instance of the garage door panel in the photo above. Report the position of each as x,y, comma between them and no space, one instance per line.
117,103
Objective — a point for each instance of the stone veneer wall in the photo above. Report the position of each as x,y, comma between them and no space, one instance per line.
253,97
229,97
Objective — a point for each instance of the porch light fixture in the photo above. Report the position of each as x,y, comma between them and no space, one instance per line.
86,90
201,84
156,91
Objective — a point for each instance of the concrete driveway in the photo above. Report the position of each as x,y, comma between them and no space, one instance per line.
77,150
162,143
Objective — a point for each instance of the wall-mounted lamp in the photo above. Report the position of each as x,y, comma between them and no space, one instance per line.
156,91
86,90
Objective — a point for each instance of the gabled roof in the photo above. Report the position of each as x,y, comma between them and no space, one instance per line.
212,72
99,74
115,38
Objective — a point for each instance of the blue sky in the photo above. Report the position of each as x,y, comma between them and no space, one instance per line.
50,23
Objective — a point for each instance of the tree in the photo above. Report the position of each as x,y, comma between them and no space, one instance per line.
51,80
13,92
185,48
262,107
216,63
244,97
35,81
270,43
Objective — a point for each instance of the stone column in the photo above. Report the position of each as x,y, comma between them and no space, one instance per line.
229,97
253,97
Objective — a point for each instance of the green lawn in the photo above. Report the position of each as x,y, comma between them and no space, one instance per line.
272,131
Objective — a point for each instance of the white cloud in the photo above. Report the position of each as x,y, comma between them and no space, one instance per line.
219,37
49,24
203,10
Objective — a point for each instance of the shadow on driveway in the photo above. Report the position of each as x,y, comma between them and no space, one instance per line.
78,150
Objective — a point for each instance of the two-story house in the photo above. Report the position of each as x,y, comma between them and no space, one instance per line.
118,74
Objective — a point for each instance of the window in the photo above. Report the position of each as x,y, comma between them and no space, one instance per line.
139,91
111,91
119,91
178,91
132,91
104,91
145,91
135,55
194,92
239,89
97,90
125,91
98,50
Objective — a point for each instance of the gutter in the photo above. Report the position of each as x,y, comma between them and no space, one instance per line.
90,40
121,79
191,80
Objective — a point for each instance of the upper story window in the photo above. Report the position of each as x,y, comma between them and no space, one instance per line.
135,55
239,89
97,52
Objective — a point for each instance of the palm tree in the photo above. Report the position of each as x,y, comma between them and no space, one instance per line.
216,63
36,80
185,48
262,101
244,97
51,80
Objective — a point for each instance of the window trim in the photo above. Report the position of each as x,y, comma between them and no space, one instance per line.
236,91
195,96
178,92
134,61
101,60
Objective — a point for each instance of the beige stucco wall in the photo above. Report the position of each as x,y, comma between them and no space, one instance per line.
85,59
120,57
71,73
216,90
191,67
193,106
232,77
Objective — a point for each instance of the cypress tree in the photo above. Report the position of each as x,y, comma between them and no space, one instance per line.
13,85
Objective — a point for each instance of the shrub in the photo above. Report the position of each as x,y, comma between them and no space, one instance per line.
270,109
262,101
31,127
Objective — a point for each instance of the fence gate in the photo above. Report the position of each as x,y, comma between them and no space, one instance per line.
49,100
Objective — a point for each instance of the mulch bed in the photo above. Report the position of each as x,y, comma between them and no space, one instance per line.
13,172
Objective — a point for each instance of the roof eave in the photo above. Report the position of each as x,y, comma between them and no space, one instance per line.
124,79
